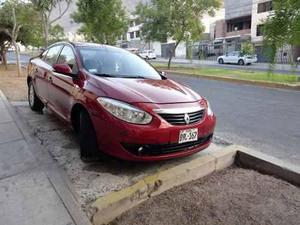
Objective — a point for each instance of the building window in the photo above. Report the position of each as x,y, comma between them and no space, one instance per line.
264,7
236,26
259,30
137,34
131,35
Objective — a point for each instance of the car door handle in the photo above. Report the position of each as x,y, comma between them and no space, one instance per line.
50,79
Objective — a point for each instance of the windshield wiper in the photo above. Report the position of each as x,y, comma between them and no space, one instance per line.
103,75
118,76
135,77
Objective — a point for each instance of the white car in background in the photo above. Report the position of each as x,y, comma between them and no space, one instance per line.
237,58
147,54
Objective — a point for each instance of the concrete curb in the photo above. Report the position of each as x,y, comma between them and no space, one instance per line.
114,204
266,164
239,81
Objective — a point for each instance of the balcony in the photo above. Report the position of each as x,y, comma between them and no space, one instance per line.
238,33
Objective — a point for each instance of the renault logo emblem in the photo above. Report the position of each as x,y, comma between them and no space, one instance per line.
187,118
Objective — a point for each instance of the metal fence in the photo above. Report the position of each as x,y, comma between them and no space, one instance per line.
211,52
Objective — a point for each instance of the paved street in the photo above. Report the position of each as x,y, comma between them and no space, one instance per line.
261,118
11,58
279,68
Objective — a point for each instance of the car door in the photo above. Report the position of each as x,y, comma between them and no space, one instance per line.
226,58
62,86
37,69
43,71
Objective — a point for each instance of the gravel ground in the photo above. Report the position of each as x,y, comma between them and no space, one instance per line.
91,180
234,196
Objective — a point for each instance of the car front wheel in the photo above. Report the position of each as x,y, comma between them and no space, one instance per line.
87,138
34,102
221,61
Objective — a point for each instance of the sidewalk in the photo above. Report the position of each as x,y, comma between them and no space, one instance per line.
279,68
33,191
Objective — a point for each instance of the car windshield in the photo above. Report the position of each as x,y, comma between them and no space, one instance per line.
114,62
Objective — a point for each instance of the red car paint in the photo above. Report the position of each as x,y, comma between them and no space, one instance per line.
61,93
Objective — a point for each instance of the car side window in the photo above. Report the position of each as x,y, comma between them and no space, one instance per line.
52,54
67,56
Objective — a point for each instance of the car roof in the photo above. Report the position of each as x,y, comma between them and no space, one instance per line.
86,44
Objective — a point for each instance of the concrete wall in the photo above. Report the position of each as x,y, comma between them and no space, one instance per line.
237,8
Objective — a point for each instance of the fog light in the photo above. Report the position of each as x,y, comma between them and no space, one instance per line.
140,150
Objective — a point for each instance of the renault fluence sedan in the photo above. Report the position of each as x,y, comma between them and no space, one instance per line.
118,103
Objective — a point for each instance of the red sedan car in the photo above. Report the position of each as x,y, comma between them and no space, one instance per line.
118,103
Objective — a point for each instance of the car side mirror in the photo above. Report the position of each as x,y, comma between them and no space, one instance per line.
162,73
62,68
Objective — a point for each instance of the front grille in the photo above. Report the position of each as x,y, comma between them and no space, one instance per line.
179,119
162,149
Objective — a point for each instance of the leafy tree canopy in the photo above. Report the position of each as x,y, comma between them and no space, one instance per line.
26,23
102,21
283,26
174,19
247,48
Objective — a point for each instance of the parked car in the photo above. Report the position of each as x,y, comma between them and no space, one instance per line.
118,103
133,50
147,54
237,58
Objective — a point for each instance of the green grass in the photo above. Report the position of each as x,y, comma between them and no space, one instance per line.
234,73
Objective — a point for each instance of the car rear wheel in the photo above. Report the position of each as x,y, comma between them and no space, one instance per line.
89,150
34,102
221,61
241,62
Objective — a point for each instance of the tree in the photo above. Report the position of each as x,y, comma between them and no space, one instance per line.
56,34
283,26
45,8
174,19
102,21
4,45
14,16
247,48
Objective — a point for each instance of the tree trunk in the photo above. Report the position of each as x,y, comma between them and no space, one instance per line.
171,53
3,59
17,57
46,34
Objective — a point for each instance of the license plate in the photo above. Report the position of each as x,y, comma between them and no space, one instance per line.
188,135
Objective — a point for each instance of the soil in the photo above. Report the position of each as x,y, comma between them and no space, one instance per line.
232,196
14,87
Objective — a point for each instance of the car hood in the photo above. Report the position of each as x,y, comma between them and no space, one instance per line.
145,90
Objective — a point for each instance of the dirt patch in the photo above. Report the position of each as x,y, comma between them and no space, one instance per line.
232,196
14,87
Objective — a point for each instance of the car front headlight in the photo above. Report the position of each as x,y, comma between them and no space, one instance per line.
124,111
209,110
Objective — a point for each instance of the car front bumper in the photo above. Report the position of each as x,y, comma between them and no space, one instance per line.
159,139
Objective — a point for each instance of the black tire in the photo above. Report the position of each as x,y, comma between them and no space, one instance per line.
221,61
87,138
241,62
34,102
